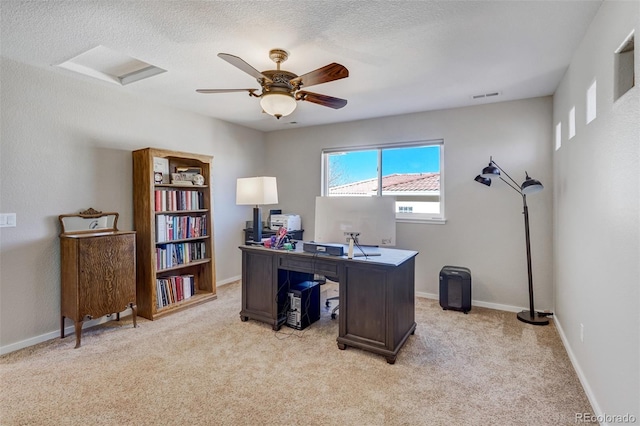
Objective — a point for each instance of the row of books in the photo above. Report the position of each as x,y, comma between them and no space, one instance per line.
170,255
173,200
174,289
169,227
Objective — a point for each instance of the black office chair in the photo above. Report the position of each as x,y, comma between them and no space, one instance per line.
329,299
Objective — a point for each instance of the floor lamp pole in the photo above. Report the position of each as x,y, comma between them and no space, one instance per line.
530,316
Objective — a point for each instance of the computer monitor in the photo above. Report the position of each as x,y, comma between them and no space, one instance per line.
373,218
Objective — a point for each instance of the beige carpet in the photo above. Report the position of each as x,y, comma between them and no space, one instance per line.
203,366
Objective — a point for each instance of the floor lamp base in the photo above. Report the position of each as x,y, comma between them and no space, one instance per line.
535,319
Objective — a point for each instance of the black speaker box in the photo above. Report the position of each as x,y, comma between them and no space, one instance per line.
455,288
323,248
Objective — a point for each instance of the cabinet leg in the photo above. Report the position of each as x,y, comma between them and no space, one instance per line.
391,360
342,346
62,327
134,313
78,326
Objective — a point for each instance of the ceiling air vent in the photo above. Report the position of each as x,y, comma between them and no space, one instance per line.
486,95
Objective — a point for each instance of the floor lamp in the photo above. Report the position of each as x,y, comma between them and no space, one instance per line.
529,186
257,191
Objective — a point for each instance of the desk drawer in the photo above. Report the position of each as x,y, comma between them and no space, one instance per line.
312,265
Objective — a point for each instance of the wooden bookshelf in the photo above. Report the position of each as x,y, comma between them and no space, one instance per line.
190,245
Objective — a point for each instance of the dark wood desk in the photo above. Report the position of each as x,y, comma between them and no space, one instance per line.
377,295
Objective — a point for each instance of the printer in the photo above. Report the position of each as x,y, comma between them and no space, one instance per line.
290,222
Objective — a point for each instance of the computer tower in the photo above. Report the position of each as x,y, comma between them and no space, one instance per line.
304,304
455,288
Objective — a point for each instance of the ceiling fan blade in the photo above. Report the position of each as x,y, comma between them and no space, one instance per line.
324,100
241,64
325,74
225,90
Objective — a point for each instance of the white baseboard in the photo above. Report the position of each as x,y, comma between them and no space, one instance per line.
576,366
68,331
228,280
479,303
558,323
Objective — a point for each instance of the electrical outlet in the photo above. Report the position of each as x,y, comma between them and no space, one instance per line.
581,332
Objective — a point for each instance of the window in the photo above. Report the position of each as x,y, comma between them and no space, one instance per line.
591,103
558,135
624,68
410,172
572,122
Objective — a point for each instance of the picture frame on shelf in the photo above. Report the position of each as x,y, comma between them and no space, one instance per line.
189,173
161,165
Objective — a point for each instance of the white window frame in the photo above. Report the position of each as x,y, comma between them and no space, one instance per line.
400,217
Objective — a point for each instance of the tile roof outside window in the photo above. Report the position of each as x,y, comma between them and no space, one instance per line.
395,183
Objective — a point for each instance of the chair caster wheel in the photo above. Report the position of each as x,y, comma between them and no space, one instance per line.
333,316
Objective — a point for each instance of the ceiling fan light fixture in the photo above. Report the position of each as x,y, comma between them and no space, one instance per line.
278,104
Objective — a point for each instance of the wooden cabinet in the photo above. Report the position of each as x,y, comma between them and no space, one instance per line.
98,269
174,230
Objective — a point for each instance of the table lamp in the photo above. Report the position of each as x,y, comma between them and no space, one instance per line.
257,191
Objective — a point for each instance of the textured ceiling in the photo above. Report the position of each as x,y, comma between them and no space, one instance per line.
402,56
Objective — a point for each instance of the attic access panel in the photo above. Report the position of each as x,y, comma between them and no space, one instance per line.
110,65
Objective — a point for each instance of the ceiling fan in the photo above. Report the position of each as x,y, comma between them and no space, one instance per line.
281,89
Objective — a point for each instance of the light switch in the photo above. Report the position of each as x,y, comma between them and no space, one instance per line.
7,220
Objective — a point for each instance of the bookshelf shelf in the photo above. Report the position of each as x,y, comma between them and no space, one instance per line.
194,300
178,212
173,217
184,265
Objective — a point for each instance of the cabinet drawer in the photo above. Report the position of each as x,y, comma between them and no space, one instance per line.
312,265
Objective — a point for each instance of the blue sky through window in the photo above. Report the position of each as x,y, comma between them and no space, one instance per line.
354,166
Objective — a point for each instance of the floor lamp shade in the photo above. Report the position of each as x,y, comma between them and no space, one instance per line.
257,191
490,172
531,186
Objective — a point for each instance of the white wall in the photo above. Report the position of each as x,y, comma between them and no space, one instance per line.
597,216
485,227
66,146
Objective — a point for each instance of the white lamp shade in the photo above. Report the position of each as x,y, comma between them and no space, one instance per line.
257,191
278,104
